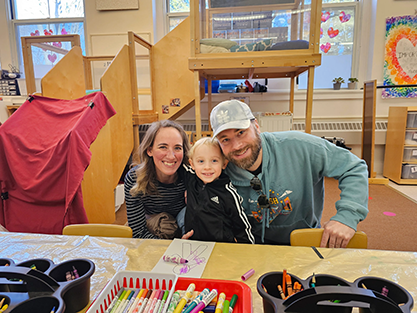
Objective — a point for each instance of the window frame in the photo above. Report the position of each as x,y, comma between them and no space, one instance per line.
13,23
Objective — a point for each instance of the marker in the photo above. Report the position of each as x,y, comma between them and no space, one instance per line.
232,303
123,303
206,300
146,294
135,300
226,306
174,301
385,291
155,309
174,259
145,308
152,303
109,308
197,300
185,299
119,300
130,301
164,299
220,302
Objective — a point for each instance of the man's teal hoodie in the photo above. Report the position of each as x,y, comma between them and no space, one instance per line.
294,165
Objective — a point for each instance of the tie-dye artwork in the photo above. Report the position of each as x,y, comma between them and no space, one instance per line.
400,66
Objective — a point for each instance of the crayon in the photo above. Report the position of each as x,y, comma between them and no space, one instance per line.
164,299
197,300
2,301
232,303
313,281
53,310
220,302
75,272
281,292
4,308
185,298
206,300
284,277
289,285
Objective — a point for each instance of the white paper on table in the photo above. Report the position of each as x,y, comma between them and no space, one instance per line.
195,252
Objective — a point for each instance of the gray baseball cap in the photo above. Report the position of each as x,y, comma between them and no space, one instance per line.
230,114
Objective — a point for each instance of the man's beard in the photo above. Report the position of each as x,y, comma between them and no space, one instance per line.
247,162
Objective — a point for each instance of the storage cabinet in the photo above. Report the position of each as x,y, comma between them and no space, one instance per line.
400,163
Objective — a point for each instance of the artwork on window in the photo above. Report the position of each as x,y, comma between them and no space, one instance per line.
400,66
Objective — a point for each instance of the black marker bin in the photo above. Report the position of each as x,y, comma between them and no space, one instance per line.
329,288
45,288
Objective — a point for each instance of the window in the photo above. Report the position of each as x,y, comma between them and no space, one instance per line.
177,11
337,41
44,18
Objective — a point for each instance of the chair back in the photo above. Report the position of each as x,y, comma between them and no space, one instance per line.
100,230
308,237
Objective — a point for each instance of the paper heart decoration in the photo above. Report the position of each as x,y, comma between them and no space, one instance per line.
321,32
343,17
325,48
406,54
325,16
52,57
57,44
36,33
63,32
332,32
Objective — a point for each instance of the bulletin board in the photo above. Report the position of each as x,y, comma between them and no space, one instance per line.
400,66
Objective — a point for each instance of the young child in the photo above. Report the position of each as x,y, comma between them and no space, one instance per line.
214,210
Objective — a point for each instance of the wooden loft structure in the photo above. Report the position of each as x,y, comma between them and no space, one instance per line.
72,77
256,64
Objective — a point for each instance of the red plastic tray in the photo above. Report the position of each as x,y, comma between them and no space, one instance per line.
229,287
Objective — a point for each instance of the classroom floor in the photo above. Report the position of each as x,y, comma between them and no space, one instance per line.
409,191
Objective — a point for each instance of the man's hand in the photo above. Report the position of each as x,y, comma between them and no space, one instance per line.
336,234
188,235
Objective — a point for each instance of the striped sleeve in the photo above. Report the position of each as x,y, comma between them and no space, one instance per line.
242,229
135,209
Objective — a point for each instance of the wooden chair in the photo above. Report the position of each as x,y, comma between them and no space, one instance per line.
307,237
101,230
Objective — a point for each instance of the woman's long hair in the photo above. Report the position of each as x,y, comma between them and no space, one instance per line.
146,173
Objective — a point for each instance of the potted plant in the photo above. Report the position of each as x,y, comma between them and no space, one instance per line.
337,82
353,81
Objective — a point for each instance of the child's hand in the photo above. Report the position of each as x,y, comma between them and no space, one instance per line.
188,235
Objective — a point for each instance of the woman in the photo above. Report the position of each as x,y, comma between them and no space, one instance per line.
156,184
